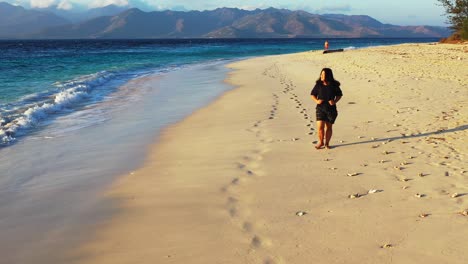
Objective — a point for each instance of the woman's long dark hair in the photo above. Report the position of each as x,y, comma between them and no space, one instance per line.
328,77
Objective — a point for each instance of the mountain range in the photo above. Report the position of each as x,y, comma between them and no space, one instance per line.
113,22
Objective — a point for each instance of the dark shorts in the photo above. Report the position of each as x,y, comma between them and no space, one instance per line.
326,113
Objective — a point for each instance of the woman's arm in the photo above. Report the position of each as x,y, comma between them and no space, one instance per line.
333,102
318,101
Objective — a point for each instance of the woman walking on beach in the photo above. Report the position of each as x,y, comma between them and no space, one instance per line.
326,93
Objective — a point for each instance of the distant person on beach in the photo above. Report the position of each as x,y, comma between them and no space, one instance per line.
325,46
326,93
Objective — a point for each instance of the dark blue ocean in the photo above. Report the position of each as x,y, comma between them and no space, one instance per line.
42,79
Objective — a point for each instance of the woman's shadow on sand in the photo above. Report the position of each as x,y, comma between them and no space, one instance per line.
439,132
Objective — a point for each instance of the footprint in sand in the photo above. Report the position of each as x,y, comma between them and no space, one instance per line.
235,181
232,212
247,227
256,242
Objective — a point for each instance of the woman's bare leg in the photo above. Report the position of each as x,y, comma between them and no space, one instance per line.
321,134
328,133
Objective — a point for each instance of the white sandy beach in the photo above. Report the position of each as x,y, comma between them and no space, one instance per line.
225,184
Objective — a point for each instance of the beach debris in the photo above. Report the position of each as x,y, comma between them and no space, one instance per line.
375,146
404,163
404,179
455,195
397,168
353,174
382,161
295,139
405,187
386,246
373,138
341,141
327,159
333,168
355,195
360,136
424,215
301,213
446,173
462,172
464,213
419,195
410,157
421,174
374,191
385,152
364,165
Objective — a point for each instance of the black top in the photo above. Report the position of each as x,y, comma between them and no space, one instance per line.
326,93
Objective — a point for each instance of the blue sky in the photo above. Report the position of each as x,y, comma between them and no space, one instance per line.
397,12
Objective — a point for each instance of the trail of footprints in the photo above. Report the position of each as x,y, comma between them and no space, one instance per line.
250,167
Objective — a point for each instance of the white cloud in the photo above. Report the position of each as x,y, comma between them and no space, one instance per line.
336,8
65,5
253,7
102,3
42,3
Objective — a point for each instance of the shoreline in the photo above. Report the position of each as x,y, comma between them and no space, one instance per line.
52,184
225,183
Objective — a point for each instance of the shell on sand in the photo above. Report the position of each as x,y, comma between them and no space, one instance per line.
423,215
353,196
455,195
464,213
353,174
301,213
387,246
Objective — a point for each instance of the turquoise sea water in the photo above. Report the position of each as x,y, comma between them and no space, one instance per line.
42,79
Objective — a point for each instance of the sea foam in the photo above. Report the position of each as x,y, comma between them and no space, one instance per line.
25,114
